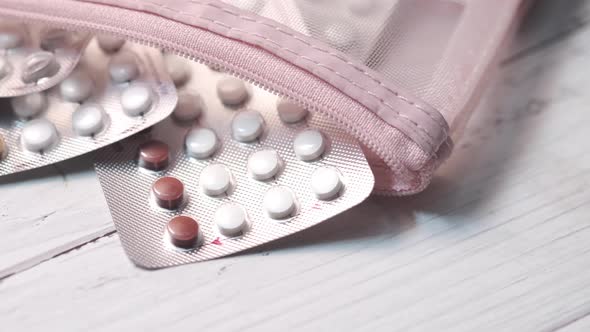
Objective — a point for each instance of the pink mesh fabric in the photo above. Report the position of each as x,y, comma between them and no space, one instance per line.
401,76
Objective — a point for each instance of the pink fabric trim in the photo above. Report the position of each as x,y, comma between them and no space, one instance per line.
420,122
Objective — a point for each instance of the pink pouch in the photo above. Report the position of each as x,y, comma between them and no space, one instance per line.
399,75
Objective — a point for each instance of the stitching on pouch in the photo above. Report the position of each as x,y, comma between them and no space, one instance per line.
382,101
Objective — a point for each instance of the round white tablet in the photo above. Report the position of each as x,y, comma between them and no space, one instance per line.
201,143
361,7
10,38
247,126
279,202
289,112
231,220
30,105
5,67
77,87
189,107
39,135
326,183
341,36
39,65
123,68
264,164
178,69
232,91
137,99
309,145
88,119
215,180
110,43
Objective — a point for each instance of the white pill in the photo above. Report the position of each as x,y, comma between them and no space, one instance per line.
39,65
10,38
279,202
264,164
178,69
215,180
361,7
123,68
189,107
39,135
232,91
110,43
231,220
5,67
289,112
326,183
341,36
88,119
30,105
247,126
309,145
77,87
201,143
137,99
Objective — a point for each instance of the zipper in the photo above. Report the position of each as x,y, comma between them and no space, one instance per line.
100,18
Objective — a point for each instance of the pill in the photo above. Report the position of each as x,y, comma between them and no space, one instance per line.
309,145
326,183
39,135
247,126
231,220
110,43
183,232
361,7
189,107
168,193
89,119
289,112
341,36
77,87
123,68
10,37
264,164
178,69
5,67
279,202
29,106
201,143
232,91
154,155
39,65
137,99
55,39
215,180
3,148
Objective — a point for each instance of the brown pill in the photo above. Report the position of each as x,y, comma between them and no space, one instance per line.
154,155
168,192
183,232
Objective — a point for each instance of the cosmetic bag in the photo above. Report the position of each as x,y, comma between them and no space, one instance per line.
401,76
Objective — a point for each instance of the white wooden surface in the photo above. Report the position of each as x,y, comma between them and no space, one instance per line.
500,241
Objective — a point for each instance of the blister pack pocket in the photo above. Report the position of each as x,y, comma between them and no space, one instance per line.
35,58
109,96
232,168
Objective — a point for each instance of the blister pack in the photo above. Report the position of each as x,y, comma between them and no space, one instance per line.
36,58
232,168
117,90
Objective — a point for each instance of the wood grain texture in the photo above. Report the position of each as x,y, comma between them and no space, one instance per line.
499,242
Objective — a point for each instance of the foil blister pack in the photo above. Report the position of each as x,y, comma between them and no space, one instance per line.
232,168
35,58
109,96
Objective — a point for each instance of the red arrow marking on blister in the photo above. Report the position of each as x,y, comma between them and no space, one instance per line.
217,242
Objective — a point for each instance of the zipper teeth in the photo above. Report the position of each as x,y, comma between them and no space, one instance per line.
140,41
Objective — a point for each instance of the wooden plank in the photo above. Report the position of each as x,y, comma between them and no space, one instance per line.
500,242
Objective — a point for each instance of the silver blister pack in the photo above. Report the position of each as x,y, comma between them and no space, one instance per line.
109,96
35,58
268,203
